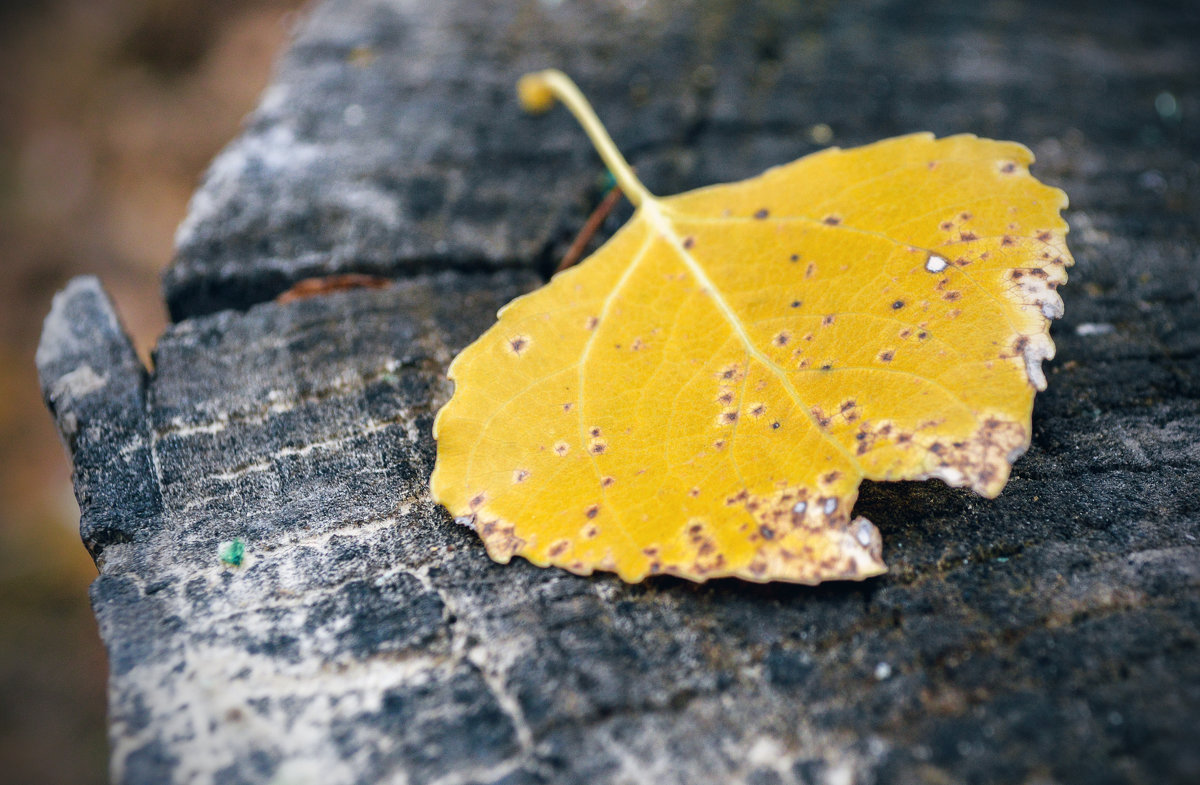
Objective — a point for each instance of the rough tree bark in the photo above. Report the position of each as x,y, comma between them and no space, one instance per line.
1049,635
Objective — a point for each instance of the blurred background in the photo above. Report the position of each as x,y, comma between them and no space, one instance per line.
109,112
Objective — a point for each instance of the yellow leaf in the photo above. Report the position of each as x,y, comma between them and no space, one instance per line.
703,396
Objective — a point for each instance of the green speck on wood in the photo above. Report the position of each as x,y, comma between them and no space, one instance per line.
232,552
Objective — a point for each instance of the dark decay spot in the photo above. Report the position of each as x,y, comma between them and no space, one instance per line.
968,236
832,477
558,548
689,241
1017,275
922,335
1044,236
725,397
946,225
1007,240
827,320
567,407
831,220
860,436
781,339
695,528
936,448
904,438
896,306
952,296
761,213
594,432
518,344
808,271
650,551
794,257
521,475
598,449
1020,344
775,425
592,322
1009,168
796,303
758,410
886,356
964,216
719,444
729,417
905,333
478,500
847,405
607,481
827,367
766,532
593,511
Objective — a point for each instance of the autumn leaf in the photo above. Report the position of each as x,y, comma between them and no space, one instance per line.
703,395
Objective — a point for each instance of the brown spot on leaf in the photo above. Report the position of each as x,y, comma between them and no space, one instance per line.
592,511
1008,168
897,305
561,449
886,356
810,270
598,447
796,303
831,477
1007,240
607,482
518,344
477,501
688,242
968,236
827,320
592,322
594,432
520,475
952,296
794,257
761,213
767,532
831,220
947,226
558,548
781,339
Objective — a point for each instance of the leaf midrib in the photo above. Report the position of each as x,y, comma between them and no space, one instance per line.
655,215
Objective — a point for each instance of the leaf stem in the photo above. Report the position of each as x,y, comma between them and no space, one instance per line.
537,91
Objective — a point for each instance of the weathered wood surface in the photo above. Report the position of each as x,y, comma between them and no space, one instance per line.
1047,636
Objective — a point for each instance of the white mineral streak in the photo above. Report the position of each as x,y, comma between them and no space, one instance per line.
78,383
1088,329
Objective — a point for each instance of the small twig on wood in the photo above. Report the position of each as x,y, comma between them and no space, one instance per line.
589,229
